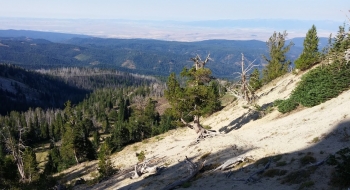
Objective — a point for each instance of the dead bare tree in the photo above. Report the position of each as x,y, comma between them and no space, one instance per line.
198,128
347,56
241,89
148,166
193,170
198,61
16,148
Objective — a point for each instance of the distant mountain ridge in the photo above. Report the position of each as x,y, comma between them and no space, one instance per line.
51,36
143,56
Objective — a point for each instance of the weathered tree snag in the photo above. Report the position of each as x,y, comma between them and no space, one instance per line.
197,127
199,63
347,56
143,168
230,162
251,178
193,170
242,89
16,147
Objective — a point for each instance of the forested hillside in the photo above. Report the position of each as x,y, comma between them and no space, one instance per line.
51,36
21,89
141,56
82,109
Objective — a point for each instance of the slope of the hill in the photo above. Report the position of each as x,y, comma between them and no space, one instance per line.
306,132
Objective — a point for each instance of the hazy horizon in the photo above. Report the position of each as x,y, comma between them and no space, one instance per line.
244,29
181,20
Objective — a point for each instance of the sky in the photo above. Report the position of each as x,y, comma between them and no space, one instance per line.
178,10
195,20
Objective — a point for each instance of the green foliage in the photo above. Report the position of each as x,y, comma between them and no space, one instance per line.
22,89
310,54
54,162
307,184
287,105
299,176
254,80
307,159
274,172
8,170
277,63
341,160
341,42
105,167
199,96
30,165
141,156
277,102
150,57
318,86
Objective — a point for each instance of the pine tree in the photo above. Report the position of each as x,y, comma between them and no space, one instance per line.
191,101
341,46
173,93
30,165
254,80
310,55
277,63
105,167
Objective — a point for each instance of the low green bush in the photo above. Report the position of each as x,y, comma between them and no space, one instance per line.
318,86
341,160
287,105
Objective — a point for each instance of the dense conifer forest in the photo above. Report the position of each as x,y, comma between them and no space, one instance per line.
76,112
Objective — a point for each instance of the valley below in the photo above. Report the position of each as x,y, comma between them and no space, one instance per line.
287,139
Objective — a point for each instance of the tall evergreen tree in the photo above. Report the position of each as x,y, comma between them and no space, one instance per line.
191,101
277,63
30,165
310,55
254,80
105,167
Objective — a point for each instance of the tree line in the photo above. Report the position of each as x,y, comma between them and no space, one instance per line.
108,119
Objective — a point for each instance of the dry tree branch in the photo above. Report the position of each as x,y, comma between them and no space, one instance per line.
251,178
193,168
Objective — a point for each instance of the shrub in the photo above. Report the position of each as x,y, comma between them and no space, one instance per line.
318,86
287,105
341,160
307,159
322,84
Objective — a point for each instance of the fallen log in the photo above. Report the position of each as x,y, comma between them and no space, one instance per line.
251,178
193,170
144,167
230,162
201,132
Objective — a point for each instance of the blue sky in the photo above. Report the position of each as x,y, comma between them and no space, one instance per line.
180,10
195,19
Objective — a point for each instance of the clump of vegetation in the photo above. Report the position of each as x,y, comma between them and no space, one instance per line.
105,167
310,55
307,159
297,177
281,163
141,156
274,172
307,184
205,155
277,63
341,160
186,184
277,157
315,140
287,105
265,160
324,82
